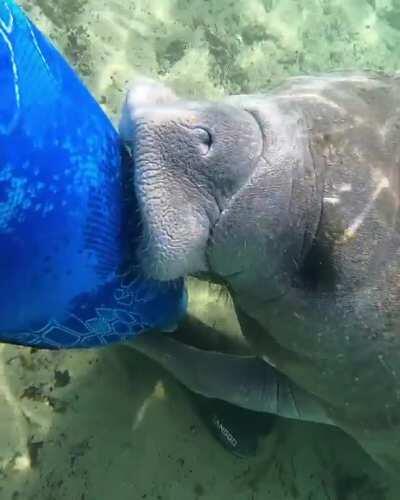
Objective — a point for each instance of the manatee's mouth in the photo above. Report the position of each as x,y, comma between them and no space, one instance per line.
178,220
174,234
174,242
164,255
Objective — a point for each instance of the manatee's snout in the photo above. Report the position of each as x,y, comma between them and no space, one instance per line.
176,211
190,160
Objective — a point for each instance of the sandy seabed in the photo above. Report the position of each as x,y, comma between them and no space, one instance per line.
109,424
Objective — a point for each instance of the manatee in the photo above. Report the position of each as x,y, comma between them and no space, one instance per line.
290,198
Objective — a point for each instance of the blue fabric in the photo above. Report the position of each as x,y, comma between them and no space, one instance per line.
67,208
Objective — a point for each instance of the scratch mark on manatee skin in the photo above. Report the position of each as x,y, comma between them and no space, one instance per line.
354,226
385,365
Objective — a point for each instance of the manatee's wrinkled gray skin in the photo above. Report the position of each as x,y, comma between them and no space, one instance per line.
291,199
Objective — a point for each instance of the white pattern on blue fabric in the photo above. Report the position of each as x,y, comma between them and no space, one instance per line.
4,31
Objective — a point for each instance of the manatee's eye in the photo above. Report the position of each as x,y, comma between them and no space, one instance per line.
204,139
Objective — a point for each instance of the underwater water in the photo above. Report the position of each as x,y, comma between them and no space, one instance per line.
105,424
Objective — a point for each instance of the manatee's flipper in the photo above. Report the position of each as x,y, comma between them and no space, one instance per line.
244,381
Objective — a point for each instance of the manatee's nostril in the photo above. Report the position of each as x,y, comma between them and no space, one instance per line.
204,138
